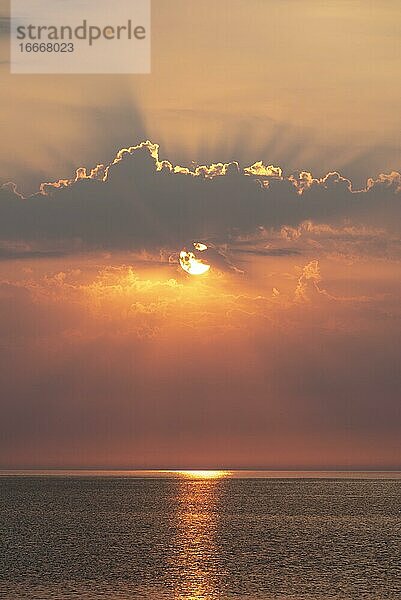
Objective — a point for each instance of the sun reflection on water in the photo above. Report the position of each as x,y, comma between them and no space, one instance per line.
195,555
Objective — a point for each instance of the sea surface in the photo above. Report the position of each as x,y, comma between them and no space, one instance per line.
200,536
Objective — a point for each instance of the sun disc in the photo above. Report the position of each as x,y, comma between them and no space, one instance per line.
191,264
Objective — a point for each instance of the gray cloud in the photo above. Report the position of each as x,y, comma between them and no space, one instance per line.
141,201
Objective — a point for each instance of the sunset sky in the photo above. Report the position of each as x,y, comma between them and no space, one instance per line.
274,139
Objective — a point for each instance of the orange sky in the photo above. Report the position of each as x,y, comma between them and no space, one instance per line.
138,366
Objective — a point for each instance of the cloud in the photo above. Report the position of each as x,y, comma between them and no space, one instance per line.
308,281
141,200
267,251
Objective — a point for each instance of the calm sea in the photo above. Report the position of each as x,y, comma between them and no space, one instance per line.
184,537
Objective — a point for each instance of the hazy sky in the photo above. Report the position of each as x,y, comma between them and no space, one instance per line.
286,354
304,84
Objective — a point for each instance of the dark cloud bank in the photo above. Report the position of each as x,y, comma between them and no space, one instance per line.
140,200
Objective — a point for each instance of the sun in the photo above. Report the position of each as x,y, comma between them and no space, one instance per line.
204,474
191,263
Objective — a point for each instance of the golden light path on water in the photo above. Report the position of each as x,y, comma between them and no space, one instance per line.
195,552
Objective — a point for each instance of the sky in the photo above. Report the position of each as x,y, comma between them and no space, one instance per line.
268,131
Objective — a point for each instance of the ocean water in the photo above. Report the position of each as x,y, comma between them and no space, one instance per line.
183,537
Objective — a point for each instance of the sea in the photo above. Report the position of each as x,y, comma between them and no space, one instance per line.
200,535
